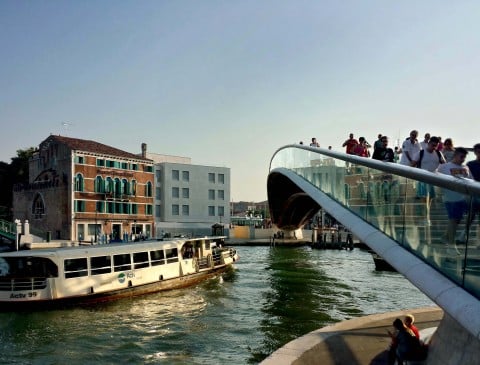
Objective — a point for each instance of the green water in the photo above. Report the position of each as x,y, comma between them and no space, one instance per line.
273,296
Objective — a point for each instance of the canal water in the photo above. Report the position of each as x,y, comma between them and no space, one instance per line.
273,296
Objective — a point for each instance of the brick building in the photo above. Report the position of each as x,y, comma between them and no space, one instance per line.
87,191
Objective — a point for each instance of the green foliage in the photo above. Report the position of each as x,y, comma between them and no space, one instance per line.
10,174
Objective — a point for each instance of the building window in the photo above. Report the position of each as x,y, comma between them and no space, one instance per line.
211,177
175,175
118,187
158,193
148,189
38,207
99,185
80,160
186,193
100,162
79,205
211,194
175,192
185,175
149,168
134,187
109,185
79,182
221,178
148,209
175,209
125,187
110,207
100,207
158,210
211,211
221,194
134,167
124,165
134,208
221,211
185,210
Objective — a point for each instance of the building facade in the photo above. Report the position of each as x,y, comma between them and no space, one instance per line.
189,199
82,190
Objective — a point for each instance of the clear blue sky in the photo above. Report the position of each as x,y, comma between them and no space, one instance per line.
228,82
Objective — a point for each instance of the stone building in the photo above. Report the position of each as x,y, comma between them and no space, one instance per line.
82,190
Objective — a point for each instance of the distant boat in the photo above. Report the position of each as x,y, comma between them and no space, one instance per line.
63,276
380,263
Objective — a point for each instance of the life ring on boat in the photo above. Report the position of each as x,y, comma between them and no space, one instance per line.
195,264
210,262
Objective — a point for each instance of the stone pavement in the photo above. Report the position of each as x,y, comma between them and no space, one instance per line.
359,341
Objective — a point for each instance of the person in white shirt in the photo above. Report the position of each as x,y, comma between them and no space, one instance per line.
455,202
424,143
409,148
427,159
314,143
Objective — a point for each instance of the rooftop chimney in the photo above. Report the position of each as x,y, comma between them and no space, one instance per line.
144,150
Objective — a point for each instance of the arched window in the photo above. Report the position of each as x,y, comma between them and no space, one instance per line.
38,206
79,182
118,187
99,185
347,192
361,190
134,187
148,189
125,187
109,185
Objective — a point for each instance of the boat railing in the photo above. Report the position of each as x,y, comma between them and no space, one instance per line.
22,284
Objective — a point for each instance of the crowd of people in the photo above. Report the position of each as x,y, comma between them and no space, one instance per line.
430,154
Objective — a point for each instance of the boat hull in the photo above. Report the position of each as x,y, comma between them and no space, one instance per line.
96,298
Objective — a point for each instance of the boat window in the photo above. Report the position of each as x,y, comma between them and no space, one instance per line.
122,262
207,244
100,265
75,268
27,267
157,257
140,259
172,255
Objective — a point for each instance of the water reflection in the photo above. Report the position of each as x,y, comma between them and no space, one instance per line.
297,300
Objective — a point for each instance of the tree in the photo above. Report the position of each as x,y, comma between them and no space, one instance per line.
10,174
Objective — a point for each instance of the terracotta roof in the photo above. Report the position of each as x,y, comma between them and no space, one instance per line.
77,144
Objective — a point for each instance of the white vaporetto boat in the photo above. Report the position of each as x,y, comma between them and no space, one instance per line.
52,277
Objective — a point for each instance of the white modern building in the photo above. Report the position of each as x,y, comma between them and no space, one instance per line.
189,198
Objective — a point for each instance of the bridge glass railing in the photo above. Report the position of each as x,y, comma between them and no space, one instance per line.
412,210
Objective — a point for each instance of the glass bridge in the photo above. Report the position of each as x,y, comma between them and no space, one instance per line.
405,203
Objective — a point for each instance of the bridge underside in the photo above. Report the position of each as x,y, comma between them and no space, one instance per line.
290,206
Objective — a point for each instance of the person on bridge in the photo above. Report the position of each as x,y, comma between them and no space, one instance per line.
383,153
455,202
350,144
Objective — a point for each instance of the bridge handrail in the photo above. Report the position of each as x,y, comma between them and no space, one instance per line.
465,186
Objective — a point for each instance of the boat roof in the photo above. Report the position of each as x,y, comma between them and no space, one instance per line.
107,249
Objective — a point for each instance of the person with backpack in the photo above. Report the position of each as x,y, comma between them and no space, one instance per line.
429,158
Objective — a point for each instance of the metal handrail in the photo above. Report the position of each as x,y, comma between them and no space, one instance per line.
465,186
